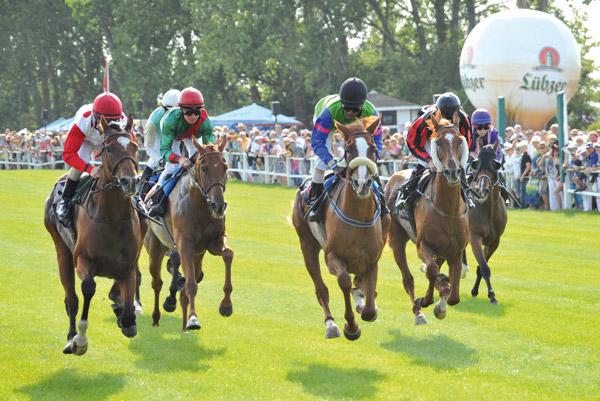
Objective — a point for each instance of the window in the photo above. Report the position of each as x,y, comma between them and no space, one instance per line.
389,117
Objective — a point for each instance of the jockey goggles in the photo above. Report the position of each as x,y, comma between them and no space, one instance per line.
482,127
191,111
356,110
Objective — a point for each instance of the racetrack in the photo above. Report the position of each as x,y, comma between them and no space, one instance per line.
541,342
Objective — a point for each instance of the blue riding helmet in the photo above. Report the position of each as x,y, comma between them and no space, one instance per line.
481,117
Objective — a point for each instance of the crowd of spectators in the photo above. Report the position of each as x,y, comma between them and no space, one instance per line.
531,158
532,162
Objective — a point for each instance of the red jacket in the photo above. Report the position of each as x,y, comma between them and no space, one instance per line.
419,133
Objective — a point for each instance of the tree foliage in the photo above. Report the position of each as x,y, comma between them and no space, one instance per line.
236,52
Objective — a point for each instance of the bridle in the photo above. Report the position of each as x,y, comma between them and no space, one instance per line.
114,182
198,178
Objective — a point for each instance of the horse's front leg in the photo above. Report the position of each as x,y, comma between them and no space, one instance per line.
369,312
127,319
486,272
186,253
79,345
455,268
477,247
436,280
338,268
219,247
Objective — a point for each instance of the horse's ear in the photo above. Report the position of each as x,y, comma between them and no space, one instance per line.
129,124
222,144
373,125
433,124
456,119
342,128
103,125
197,145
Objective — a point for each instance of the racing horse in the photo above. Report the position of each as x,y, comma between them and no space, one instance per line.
353,234
108,236
441,221
193,224
487,220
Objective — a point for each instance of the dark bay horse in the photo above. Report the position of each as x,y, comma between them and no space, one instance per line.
194,224
109,237
440,219
354,233
487,220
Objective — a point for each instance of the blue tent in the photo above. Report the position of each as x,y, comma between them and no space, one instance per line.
61,124
252,115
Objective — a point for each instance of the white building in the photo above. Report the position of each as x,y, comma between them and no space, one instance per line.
395,112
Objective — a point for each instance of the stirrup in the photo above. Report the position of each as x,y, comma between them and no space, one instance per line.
63,209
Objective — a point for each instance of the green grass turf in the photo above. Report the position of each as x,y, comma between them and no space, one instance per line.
541,343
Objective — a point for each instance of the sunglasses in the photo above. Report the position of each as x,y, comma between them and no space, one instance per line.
191,112
352,109
482,127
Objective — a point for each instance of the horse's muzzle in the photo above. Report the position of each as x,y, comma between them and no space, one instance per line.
453,176
129,185
217,208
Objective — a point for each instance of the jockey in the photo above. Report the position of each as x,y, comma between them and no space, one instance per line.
153,135
83,138
179,125
344,108
483,132
418,142
486,134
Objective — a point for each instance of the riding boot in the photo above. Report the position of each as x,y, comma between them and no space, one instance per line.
407,192
64,205
381,196
143,186
157,203
315,202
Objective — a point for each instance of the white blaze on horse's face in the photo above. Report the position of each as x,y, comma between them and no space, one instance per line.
124,141
362,147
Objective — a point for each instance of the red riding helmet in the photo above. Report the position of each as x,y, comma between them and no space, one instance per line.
191,97
107,105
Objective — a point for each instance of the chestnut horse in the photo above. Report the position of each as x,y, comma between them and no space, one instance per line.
487,220
354,232
109,236
194,224
440,220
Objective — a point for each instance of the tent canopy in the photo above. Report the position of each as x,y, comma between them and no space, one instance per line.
252,115
61,124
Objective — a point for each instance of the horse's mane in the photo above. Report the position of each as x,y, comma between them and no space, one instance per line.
443,123
211,146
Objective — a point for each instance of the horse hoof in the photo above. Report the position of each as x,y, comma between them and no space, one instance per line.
494,301
423,268
369,317
193,324
130,331
332,330
138,308
474,293
68,349
420,319
170,304
439,313
351,336
155,323
81,348
225,310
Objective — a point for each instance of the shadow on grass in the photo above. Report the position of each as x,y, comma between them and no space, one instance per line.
482,306
168,348
70,384
334,383
437,351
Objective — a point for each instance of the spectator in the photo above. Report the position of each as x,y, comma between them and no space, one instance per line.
524,173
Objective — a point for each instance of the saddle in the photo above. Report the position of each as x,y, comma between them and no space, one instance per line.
407,216
85,186
330,180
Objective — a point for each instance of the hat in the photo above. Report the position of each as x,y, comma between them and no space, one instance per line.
551,137
597,144
571,146
536,138
589,145
522,143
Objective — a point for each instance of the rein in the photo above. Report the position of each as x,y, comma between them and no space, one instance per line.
349,220
429,197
